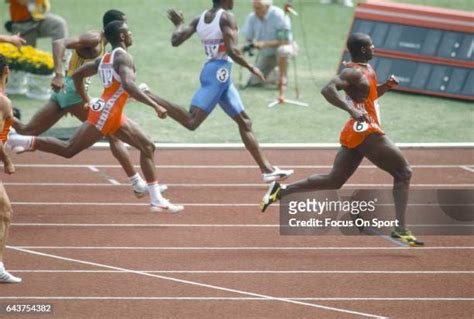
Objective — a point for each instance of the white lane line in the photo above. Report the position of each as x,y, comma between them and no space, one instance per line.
107,177
200,225
185,166
244,248
270,272
220,185
196,204
92,168
128,204
188,282
242,299
468,168
146,225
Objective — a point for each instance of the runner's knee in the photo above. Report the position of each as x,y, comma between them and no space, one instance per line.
336,181
5,223
404,174
70,151
245,124
148,148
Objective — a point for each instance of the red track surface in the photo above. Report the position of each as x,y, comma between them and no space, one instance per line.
162,265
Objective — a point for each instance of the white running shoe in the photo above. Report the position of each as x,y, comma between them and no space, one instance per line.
19,143
6,277
165,206
277,175
140,189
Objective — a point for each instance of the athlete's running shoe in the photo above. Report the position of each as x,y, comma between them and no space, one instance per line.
271,196
407,237
6,277
165,206
277,175
19,143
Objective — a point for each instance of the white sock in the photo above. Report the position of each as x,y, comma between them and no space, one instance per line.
135,179
155,195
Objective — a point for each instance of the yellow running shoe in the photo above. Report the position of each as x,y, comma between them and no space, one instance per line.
271,196
407,237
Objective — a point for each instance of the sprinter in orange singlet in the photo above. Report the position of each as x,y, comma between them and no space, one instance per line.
361,136
77,51
117,72
6,117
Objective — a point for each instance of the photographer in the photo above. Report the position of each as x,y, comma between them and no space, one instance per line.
268,30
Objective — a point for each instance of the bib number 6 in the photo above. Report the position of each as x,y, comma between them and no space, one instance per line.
360,127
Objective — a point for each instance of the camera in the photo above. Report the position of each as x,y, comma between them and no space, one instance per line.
249,49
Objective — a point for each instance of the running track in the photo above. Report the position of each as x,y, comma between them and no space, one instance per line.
83,243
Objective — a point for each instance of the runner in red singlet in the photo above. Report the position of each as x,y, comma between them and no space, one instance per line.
361,136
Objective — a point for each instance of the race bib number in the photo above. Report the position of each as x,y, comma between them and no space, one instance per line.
97,104
211,50
222,75
106,74
360,127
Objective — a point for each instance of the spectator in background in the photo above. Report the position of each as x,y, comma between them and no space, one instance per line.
268,29
347,3
31,20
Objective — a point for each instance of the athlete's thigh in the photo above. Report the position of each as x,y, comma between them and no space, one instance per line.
131,133
84,137
381,151
231,102
46,117
79,111
346,162
214,81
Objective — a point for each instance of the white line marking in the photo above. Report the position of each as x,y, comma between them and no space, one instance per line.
198,225
238,299
127,204
145,225
93,168
221,166
252,272
290,145
243,185
197,204
244,248
113,181
188,282
468,168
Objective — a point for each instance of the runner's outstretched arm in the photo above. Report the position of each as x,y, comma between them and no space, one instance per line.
387,85
229,31
182,33
86,40
124,64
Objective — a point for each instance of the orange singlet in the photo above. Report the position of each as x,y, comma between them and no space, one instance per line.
106,114
354,133
6,128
